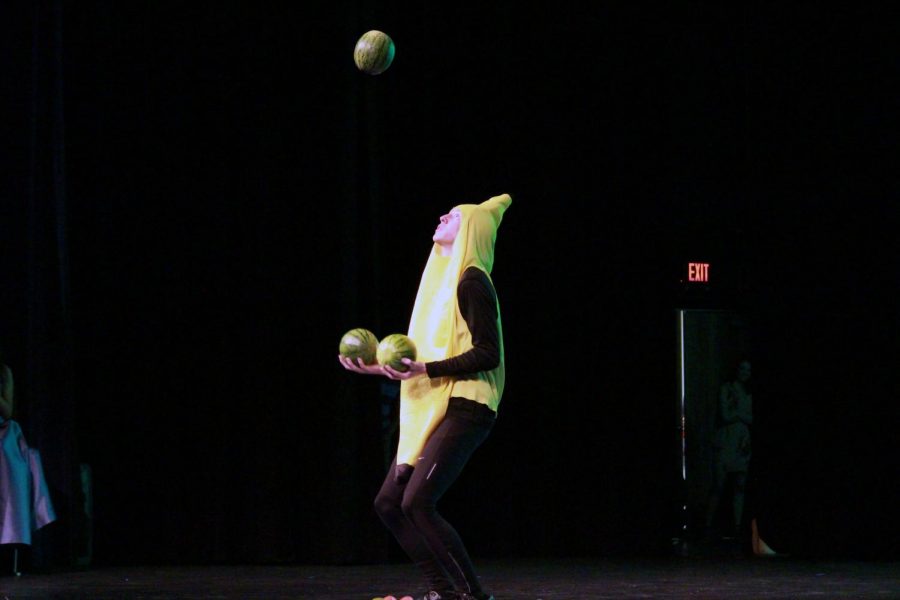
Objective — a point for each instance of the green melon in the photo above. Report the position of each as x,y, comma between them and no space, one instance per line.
393,348
374,52
359,343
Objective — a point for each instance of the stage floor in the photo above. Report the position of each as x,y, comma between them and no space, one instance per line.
675,578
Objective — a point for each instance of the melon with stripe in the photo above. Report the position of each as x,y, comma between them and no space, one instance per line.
374,52
393,349
359,343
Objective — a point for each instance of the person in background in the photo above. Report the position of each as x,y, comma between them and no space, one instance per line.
25,504
731,454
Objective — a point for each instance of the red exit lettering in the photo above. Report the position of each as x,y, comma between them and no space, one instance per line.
698,271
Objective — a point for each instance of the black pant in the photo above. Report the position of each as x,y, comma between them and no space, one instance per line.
407,502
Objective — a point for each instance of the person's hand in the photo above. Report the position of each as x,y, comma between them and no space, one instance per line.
415,369
358,366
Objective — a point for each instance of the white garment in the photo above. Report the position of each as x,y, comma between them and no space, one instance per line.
25,504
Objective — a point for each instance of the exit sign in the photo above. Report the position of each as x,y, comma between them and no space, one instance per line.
698,272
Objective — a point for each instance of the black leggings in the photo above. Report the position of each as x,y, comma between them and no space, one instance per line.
407,502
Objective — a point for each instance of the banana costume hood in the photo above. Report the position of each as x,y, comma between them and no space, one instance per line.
439,330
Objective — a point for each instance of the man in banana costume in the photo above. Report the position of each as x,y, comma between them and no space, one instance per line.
448,397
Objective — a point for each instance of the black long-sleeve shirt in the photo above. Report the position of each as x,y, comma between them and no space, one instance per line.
478,306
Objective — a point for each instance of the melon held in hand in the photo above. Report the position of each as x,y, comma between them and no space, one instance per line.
393,349
359,343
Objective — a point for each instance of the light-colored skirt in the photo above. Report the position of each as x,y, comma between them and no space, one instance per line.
25,504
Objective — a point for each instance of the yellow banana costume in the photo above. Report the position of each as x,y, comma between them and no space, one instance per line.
439,330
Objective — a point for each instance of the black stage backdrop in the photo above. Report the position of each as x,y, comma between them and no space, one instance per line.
200,198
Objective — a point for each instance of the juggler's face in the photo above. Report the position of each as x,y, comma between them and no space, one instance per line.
447,229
